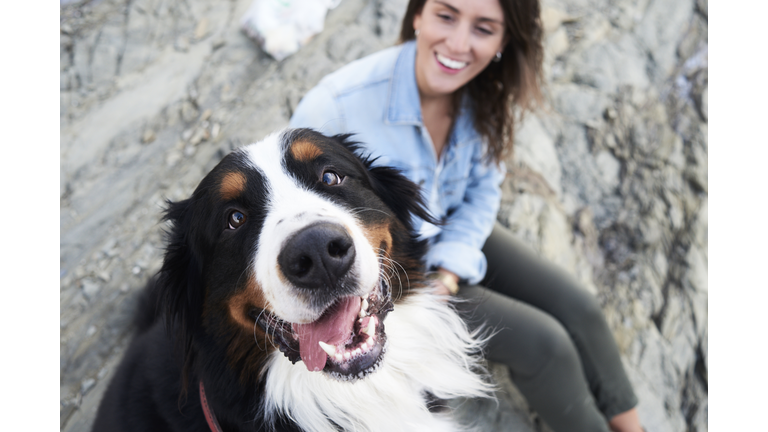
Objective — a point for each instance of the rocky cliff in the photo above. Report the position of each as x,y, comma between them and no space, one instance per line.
609,180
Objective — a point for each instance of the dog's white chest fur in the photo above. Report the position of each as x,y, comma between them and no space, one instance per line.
429,349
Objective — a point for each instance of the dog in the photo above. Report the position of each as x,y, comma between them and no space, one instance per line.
292,297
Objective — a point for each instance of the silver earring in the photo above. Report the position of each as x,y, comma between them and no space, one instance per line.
498,57
416,32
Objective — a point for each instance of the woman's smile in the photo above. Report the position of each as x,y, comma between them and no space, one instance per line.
451,66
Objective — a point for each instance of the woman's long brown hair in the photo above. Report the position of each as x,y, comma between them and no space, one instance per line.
505,86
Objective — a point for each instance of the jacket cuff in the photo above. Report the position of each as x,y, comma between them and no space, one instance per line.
467,262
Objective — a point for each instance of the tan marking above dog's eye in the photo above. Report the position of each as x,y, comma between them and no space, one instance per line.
232,185
305,151
331,178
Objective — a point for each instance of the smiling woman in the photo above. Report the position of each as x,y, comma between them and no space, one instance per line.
503,42
439,108
456,42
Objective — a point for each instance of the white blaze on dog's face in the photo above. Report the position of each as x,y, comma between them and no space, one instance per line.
291,207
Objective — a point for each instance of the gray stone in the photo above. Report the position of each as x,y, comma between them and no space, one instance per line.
535,148
523,218
659,32
609,167
581,176
678,328
351,44
90,288
695,276
697,170
625,14
580,103
557,43
694,38
594,28
552,17
87,385
701,6
390,13
612,63
657,384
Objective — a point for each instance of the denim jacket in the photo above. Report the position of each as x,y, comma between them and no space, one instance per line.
377,99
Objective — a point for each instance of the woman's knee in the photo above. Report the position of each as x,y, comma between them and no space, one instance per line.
553,349
580,310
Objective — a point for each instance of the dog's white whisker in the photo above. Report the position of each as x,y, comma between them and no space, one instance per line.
359,210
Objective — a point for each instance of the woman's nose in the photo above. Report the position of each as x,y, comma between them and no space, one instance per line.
458,40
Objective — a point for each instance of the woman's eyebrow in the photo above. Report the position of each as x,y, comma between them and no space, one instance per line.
481,19
451,7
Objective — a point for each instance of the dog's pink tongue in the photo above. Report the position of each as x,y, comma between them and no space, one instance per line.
333,327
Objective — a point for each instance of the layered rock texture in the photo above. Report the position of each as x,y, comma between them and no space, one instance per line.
609,180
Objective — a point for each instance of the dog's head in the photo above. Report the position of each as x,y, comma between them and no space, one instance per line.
294,243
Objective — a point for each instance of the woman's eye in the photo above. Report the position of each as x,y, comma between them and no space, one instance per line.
331,178
236,219
444,17
485,31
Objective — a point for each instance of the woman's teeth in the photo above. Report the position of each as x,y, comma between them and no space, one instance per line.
450,64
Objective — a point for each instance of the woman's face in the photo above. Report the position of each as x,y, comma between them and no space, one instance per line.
457,40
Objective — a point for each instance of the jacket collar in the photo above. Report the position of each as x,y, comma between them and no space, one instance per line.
404,106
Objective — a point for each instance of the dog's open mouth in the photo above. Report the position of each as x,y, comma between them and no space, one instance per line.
347,341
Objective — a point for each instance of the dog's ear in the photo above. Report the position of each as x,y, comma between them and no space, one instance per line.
398,192
181,274
180,282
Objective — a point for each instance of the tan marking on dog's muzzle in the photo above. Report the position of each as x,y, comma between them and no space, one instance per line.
380,238
232,185
242,303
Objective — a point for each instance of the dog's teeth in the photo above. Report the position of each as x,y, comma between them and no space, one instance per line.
371,329
330,349
347,355
339,357
364,308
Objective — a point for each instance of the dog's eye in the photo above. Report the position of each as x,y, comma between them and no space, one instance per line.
331,178
236,219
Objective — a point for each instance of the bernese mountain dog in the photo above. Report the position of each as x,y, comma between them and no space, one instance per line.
292,297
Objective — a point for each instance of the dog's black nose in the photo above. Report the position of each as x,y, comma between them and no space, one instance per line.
318,256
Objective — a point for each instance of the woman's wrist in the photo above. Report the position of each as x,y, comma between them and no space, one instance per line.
446,278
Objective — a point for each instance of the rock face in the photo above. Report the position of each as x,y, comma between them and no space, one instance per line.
609,180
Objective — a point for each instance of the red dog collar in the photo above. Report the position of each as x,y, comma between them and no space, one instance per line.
210,417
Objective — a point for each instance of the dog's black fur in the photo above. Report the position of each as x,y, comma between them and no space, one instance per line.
183,337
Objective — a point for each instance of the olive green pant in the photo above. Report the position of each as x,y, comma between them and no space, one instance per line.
552,335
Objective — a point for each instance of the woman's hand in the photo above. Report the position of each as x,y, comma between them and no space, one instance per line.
440,284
